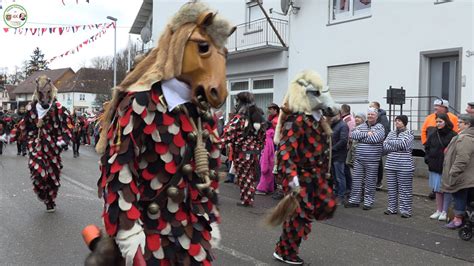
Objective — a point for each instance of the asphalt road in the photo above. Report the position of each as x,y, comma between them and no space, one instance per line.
30,236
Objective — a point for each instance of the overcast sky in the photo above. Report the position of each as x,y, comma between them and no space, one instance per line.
14,49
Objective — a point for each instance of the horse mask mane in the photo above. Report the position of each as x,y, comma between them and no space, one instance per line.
306,94
45,92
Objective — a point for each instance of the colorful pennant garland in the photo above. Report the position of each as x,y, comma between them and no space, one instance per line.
85,42
40,31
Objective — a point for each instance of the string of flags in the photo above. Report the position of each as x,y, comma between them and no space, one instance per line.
40,31
89,40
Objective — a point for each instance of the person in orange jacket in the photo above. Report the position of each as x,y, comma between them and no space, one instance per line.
440,106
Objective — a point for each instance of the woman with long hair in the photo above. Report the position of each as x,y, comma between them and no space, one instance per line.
438,140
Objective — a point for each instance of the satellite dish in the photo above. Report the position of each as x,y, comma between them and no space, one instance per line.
285,6
145,34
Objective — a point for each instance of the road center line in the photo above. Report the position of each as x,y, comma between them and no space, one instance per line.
239,255
79,184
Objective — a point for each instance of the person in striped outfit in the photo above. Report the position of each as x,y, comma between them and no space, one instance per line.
399,168
370,136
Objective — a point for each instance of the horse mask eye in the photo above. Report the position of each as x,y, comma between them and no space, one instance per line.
314,93
203,47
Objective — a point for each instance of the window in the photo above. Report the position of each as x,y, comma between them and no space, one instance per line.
342,10
82,97
349,83
239,85
261,87
252,12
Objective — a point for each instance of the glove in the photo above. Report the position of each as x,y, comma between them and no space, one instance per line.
61,143
129,241
294,183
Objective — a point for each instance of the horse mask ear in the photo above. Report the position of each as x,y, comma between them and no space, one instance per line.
205,19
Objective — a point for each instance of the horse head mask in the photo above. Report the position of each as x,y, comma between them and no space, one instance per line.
192,50
45,91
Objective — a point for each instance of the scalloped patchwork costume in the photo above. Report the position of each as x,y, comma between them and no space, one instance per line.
161,149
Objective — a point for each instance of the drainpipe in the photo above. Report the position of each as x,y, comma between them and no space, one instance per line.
271,23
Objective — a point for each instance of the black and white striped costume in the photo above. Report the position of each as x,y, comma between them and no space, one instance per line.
399,168
367,156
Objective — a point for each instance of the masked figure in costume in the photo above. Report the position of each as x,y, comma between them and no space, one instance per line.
161,148
46,125
246,135
303,159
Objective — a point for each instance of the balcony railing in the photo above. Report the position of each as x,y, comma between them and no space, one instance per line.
258,34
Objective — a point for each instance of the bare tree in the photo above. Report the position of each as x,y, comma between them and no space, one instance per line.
16,77
102,62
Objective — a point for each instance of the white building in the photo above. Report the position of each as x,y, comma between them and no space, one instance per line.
80,92
360,47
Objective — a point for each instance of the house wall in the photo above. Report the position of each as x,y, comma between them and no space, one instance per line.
391,39
72,100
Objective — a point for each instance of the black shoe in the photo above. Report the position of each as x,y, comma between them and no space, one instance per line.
387,212
366,208
17,154
286,259
406,215
23,154
351,205
50,207
228,181
379,187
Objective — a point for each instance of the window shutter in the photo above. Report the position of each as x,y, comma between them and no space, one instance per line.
349,83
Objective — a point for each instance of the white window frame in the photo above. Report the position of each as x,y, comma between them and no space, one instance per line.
249,5
250,80
82,97
348,16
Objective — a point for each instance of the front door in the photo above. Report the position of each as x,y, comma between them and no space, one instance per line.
444,81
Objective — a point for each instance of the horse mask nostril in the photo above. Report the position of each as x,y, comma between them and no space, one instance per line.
214,93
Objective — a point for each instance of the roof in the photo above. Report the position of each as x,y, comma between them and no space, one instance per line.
89,80
29,85
142,17
10,89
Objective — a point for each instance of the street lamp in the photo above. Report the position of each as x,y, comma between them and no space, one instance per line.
115,48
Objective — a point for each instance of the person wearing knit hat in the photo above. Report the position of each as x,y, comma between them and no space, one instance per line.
370,136
360,118
399,168
403,119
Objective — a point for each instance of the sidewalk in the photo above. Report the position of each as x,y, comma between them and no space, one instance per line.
420,184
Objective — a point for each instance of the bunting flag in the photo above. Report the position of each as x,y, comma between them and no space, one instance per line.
40,31
85,42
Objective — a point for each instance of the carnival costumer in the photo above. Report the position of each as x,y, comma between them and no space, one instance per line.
161,148
246,135
303,158
46,125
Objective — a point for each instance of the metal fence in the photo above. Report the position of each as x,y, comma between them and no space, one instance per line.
256,34
416,108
